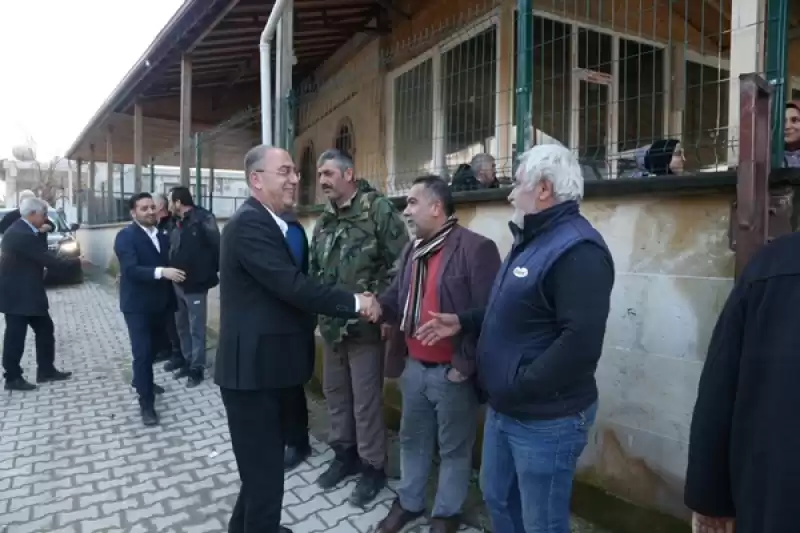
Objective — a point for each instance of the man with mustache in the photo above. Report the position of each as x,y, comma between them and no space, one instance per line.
541,336
356,242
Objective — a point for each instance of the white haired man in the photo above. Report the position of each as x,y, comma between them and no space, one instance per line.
13,216
541,336
23,299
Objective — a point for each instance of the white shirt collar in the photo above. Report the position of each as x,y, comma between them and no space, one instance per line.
281,223
152,230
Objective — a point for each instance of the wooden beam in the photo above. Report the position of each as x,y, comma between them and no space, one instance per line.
211,26
186,119
138,156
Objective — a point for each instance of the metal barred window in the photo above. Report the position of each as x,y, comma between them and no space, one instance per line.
344,140
308,176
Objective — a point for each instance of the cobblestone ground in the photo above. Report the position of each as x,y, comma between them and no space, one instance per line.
74,456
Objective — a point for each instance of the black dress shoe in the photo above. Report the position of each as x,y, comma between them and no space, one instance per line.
285,530
195,378
173,365
181,373
149,416
293,456
53,375
340,469
369,485
158,389
19,384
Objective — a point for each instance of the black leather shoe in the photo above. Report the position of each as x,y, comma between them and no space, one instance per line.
293,456
195,378
285,530
53,375
340,469
181,373
173,365
149,416
158,389
19,384
369,485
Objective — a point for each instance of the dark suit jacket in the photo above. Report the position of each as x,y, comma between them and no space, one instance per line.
265,301
23,258
139,290
469,265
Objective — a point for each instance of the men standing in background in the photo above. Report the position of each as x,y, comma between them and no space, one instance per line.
264,346
146,296
23,299
356,243
295,412
448,269
194,249
172,354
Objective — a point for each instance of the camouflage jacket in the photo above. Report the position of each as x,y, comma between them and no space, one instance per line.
356,247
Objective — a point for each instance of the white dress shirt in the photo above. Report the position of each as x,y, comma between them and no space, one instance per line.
285,228
152,232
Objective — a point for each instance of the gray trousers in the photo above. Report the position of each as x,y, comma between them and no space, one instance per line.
190,320
436,411
352,380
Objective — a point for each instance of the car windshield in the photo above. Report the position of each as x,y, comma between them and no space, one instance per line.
56,220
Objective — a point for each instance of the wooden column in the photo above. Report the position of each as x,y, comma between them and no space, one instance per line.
186,151
110,201
78,190
91,204
138,157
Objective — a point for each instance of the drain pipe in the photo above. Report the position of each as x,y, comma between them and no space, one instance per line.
264,49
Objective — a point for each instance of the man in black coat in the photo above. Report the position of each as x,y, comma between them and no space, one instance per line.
264,347
23,299
743,462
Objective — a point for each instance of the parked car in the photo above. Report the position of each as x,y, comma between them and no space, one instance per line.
62,242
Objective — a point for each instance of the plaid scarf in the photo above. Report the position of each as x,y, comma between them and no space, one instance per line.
423,250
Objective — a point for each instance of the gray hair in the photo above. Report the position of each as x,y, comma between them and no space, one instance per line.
253,158
31,206
556,164
27,193
340,158
160,198
481,159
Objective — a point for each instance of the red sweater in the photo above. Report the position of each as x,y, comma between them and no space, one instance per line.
442,351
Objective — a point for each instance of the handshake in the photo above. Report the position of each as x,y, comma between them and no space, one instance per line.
368,306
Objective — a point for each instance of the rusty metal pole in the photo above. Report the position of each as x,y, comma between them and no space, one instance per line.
755,154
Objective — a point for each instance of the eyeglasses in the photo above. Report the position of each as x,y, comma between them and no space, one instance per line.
284,171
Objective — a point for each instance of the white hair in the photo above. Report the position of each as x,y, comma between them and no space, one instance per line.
160,199
556,164
481,159
30,206
27,193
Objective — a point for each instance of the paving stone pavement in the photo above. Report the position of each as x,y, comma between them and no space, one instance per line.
75,458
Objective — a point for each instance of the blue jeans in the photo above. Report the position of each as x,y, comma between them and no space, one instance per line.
527,470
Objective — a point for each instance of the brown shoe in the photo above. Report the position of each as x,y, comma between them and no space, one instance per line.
396,519
445,525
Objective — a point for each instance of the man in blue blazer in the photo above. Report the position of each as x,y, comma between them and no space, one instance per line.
146,298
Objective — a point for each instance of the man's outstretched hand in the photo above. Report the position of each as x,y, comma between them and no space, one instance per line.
369,307
440,326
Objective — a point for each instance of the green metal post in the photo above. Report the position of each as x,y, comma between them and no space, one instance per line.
776,62
198,178
211,188
152,174
524,86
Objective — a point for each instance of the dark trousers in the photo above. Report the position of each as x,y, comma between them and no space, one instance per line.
254,422
14,344
147,339
174,346
295,417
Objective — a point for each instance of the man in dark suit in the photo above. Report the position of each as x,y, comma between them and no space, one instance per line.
146,297
23,299
263,349
295,409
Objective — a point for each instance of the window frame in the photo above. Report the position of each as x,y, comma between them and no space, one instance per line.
472,30
613,154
